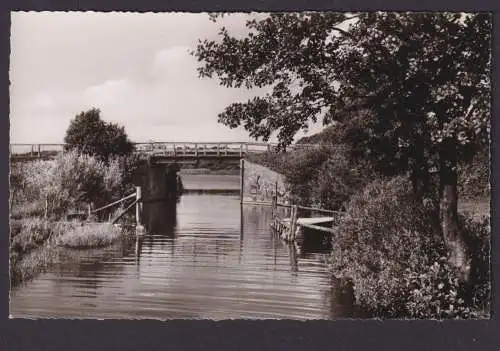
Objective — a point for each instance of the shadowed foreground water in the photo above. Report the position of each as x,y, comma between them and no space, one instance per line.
209,258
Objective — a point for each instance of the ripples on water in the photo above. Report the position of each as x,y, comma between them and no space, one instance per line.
209,258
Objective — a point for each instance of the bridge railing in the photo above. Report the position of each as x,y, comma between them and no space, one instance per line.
202,149
176,149
35,150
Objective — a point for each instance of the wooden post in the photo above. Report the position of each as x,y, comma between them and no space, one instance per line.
242,179
89,211
241,150
268,147
175,151
246,148
196,150
293,222
39,151
32,150
276,191
138,206
275,195
46,208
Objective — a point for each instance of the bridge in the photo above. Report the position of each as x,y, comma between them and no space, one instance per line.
163,152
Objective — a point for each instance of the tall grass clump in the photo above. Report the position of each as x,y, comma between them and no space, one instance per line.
389,246
32,246
90,236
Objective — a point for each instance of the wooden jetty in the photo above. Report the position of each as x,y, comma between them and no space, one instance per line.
290,228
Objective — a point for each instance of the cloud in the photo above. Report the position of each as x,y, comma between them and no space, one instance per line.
136,68
174,63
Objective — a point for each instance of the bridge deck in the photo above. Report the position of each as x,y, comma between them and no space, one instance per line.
165,150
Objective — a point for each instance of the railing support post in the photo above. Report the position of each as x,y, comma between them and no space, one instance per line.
242,179
293,222
241,150
39,151
276,191
275,199
196,150
138,196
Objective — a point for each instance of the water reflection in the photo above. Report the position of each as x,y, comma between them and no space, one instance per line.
208,257
160,217
314,242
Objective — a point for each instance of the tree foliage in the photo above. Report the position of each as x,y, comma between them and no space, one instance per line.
412,90
90,135
423,78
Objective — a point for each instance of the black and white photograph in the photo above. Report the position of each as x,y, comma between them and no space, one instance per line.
229,165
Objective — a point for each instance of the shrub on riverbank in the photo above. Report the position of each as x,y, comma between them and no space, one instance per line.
324,176
90,236
390,247
57,187
72,181
474,177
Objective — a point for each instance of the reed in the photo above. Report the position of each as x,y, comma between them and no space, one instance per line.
90,235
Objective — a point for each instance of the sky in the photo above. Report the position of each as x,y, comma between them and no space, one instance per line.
136,68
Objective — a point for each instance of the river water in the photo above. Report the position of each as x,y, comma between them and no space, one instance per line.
207,258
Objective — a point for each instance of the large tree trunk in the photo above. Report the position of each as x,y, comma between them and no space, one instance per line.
449,215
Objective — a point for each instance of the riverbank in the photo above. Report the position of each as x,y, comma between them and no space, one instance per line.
387,234
36,243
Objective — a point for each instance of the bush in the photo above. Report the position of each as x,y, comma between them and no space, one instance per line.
478,239
390,246
325,177
338,178
71,181
474,177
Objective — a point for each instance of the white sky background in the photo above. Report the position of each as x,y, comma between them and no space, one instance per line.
136,68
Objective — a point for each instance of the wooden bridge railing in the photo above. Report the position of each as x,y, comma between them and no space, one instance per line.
35,150
166,149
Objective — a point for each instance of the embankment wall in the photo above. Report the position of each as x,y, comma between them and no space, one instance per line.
260,184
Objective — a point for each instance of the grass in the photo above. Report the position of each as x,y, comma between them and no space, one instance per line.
91,235
34,262
33,246
31,209
37,243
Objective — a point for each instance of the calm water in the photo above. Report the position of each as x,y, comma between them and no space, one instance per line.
210,181
208,258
